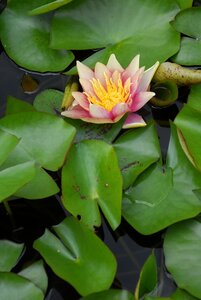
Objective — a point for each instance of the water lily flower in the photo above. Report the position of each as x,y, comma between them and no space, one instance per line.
109,92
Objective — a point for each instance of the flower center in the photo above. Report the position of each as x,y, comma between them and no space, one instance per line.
110,95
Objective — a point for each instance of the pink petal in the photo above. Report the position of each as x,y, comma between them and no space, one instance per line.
87,86
77,112
132,68
113,64
147,77
97,121
84,71
133,121
140,100
81,99
100,71
120,109
99,112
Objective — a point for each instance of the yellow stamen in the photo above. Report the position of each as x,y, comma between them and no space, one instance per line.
107,97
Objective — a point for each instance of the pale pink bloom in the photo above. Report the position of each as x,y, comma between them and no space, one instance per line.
109,92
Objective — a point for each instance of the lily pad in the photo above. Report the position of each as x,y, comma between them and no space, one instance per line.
14,105
182,255
7,143
188,23
83,25
158,190
194,99
185,3
15,287
78,256
45,137
48,6
136,150
14,178
36,273
148,278
9,253
26,38
111,294
91,178
49,101
188,122
182,295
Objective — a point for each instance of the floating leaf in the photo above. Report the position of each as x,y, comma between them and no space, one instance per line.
9,253
7,143
188,121
182,295
91,178
157,191
45,137
194,99
36,274
84,25
136,150
16,287
26,38
185,3
48,6
13,178
14,105
188,23
78,256
49,101
110,295
148,278
182,255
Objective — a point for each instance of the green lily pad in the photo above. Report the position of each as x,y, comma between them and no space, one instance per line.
15,287
14,178
188,23
9,253
188,122
49,101
7,143
136,150
182,295
14,105
26,38
36,274
182,255
45,137
48,6
82,25
194,100
91,178
157,191
185,3
148,278
78,256
111,294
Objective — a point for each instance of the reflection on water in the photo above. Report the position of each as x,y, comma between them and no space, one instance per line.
130,248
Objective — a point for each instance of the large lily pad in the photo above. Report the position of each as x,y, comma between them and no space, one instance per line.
188,22
26,38
91,178
136,150
157,191
182,255
78,256
125,29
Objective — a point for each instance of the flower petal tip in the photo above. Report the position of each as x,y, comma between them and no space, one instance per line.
134,121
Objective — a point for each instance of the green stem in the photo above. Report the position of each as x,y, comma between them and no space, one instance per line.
180,75
8,209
